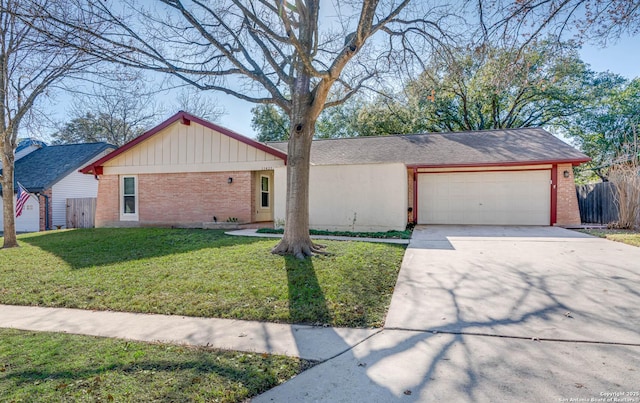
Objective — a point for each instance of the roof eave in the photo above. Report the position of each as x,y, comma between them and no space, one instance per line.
573,161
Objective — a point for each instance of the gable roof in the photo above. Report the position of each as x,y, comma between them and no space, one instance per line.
456,149
184,118
41,169
26,143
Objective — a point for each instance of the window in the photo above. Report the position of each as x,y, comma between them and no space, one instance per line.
129,201
264,191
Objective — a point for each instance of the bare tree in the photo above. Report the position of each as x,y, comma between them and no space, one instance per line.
115,112
32,61
624,174
596,20
196,103
268,52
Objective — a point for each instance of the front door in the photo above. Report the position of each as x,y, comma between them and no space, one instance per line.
264,196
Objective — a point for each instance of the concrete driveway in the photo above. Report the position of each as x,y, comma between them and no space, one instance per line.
531,282
496,314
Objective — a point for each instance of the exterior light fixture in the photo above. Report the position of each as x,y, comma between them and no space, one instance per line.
230,180
565,174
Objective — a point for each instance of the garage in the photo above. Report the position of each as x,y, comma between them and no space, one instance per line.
485,198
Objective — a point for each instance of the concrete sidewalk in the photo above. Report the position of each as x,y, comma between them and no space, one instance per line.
308,342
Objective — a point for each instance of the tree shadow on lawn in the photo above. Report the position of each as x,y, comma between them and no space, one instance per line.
458,361
307,303
82,248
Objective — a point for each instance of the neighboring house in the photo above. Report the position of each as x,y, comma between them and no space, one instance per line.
186,171
28,146
51,174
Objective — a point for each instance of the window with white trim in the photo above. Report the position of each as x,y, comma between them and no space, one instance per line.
264,191
129,198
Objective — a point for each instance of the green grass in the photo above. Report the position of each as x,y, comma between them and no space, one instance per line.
406,234
200,273
50,367
630,237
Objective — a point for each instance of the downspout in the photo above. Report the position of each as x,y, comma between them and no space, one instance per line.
47,227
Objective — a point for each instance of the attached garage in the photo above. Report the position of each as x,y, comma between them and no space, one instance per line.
492,177
485,198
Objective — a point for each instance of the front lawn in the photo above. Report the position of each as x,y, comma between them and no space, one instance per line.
200,273
50,367
625,236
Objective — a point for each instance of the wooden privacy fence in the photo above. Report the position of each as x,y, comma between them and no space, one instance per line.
81,213
597,203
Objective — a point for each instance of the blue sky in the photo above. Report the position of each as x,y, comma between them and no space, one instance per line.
622,57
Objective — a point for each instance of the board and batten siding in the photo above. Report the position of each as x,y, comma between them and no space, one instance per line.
75,185
183,148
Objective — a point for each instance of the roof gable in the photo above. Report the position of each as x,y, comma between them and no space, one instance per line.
127,151
472,148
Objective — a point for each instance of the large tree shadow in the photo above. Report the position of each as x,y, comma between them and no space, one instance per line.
307,302
528,346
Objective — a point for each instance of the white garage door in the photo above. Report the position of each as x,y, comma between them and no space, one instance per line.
493,198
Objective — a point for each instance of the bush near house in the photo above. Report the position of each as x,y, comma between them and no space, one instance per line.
382,235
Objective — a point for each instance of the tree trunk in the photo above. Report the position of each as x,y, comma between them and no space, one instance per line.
296,240
7,161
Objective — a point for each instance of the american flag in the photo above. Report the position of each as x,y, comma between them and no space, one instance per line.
21,199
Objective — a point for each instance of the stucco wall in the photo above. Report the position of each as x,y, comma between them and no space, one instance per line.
351,197
568,212
180,199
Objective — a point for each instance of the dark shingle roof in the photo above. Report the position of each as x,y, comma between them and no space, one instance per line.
526,145
42,168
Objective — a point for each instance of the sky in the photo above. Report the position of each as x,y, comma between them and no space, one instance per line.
622,57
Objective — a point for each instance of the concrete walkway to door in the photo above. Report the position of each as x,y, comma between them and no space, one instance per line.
496,314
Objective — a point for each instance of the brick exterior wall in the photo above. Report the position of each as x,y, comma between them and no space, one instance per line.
255,178
41,200
568,212
179,199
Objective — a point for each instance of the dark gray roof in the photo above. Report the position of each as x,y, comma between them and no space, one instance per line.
42,168
526,145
